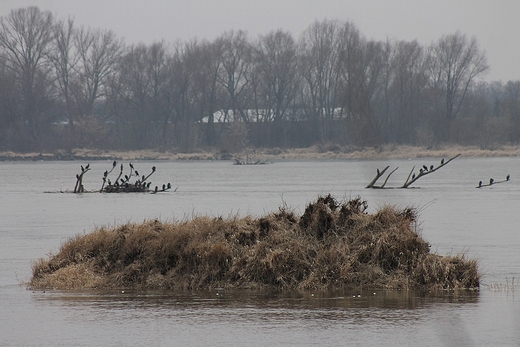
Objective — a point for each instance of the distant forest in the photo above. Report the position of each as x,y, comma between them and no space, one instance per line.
63,87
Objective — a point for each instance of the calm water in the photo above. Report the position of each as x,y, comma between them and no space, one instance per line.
456,217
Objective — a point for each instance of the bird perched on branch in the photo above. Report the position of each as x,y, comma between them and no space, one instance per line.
442,161
425,167
508,177
491,181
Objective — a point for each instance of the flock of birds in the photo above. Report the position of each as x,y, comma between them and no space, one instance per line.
492,181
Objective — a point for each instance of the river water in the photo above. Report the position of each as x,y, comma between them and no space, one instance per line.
35,219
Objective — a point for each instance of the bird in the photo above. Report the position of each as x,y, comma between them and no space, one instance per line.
378,172
413,176
136,173
105,174
164,187
87,167
431,167
169,185
82,168
153,168
425,167
491,181
114,163
131,166
421,171
442,161
480,184
155,190
508,177
149,184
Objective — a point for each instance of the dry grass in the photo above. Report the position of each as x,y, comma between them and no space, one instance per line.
315,152
332,245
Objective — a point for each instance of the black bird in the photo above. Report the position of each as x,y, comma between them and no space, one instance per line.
156,189
153,168
131,166
442,161
378,172
425,168
126,177
88,165
431,167
164,187
149,184
169,185
413,176
114,163
491,181
136,173
421,171
105,174
82,168
480,184
508,177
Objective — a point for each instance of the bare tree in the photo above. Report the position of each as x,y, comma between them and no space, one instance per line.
25,36
235,73
99,51
276,78
455,61
321,66
63,56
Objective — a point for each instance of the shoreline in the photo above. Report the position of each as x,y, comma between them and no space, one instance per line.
267,155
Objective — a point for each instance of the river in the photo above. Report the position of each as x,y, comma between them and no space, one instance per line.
36,218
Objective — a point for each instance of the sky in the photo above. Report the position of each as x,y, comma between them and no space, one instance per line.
494,23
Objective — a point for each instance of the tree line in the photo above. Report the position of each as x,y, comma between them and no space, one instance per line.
64,86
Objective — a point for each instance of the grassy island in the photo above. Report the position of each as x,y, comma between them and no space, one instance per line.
332,245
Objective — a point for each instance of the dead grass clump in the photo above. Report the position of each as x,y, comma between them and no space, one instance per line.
332,245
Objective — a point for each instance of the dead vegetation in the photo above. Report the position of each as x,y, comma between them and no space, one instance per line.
332,245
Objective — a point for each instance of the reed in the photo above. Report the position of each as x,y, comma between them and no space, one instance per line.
334,244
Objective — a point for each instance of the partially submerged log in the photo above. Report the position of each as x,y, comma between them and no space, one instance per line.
124,183
492,182
412,176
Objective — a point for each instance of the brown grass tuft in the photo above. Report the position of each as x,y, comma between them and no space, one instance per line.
332,245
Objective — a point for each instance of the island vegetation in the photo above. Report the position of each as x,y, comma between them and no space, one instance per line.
333,245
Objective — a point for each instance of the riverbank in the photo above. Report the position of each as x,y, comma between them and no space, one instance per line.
271,154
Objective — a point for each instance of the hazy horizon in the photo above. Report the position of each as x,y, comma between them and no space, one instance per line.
495,25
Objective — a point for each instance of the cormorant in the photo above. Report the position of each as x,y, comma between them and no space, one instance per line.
105,174
153,168
136,173
378,172
425,167
82,168
508,177
114,163
149,184
156,189
431,167
413,176
169,185
480,184
442,161
491,181
164,187
131,166
421,171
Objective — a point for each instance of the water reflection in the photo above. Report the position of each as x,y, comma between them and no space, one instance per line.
260,300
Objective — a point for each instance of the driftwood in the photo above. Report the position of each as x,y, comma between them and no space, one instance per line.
78,188
378,175
493,182
412,176
123,183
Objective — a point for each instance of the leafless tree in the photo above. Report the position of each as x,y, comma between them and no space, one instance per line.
235,73
276,79
454,62
99,52
25,36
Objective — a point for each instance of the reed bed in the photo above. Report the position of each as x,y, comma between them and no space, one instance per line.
334,244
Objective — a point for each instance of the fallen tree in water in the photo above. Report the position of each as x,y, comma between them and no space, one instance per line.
332,245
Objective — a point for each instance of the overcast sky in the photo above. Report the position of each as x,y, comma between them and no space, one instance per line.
495,23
